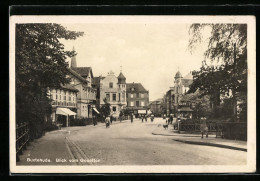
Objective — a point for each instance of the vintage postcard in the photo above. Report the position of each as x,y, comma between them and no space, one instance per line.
132,94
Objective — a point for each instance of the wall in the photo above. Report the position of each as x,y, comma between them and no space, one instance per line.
105,89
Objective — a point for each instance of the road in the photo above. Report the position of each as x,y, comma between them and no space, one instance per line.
125,144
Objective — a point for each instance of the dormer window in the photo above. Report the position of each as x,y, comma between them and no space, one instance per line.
132,89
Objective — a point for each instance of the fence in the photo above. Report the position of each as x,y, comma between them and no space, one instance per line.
22,138
232,130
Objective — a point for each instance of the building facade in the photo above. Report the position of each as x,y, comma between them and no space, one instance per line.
64,104
156,107
113,90
81,79
174,94
137,97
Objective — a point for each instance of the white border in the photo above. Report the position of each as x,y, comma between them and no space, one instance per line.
251,144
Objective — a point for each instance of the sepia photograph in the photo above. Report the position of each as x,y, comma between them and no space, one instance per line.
132,94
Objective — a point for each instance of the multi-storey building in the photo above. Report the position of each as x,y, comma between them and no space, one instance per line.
113,90
156,107
86,96
64,104
81,79
137,97
174,94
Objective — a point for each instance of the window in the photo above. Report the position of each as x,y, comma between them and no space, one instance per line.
132,95
114,97
142,95
131,103
119,96
111,85
126,95
142,103
137,103
114,108
108,97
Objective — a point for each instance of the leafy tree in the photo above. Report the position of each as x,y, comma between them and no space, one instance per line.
39,64
105,109
227,49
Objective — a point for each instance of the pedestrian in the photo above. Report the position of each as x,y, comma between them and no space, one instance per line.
152,117
111,119
142,118
107,120
171,119
132,117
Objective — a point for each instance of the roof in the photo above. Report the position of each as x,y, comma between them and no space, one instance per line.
69,87
157,101
96,80
121,78
178,75
83,71
138,87
77,75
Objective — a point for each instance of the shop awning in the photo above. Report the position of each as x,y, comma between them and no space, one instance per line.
65,111
95,109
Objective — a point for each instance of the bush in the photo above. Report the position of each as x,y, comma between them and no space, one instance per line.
51,127
81,122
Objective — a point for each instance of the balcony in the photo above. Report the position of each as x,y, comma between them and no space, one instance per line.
63,103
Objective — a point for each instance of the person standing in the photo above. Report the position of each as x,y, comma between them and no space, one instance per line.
142,116
111,119
132,117
171,119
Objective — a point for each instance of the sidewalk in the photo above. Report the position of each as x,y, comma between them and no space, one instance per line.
197,140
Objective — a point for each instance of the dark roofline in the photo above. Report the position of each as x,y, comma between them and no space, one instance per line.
69,88
139,84
85,67
77,75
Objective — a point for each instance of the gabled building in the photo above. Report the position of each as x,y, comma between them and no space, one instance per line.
113,90
81,79
137,97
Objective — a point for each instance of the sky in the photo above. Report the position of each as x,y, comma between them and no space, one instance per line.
149,53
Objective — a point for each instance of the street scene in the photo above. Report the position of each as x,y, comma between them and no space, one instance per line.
129,143
134,92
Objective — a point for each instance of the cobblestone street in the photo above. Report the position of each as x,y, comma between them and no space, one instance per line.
124,144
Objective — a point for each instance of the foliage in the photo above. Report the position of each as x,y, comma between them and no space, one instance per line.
39,64
221,41
201,104
81,122
105,109
227,49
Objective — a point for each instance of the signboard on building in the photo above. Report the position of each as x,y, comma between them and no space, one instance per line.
141,111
